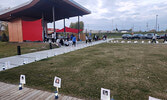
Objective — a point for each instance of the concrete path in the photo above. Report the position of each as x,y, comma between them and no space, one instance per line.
15,61
12,92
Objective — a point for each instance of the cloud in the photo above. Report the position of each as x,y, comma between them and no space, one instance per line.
124,13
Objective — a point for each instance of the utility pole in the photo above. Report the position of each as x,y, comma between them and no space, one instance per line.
112,25
147,27
156,22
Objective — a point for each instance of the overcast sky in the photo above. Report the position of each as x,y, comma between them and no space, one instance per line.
107,14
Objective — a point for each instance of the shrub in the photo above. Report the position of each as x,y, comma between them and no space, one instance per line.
4,38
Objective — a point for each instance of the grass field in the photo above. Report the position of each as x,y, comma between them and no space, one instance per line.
130,71
10,49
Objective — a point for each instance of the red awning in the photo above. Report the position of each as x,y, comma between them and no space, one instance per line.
70,30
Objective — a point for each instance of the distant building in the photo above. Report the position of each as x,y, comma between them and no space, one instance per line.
124,31
96,31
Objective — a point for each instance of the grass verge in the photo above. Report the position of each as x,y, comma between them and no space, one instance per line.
130,71
10,49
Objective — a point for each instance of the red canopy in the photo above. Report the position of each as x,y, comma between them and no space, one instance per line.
71,30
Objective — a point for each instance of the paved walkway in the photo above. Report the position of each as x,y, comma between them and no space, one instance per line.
12,92
15,61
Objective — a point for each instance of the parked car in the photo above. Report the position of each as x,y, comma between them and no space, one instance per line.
162,36
137,36
126,36
158,36
150,36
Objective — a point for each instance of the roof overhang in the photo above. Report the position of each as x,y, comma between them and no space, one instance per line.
35,9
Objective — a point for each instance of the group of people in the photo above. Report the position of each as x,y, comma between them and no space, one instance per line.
154,38
95,38
88,39
66,41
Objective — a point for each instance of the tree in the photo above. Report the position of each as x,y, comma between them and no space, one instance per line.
75,25
72,25
4,38
4,28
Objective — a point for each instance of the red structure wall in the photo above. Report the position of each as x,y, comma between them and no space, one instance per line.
32,30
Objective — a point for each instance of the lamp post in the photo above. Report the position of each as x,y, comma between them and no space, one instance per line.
156,22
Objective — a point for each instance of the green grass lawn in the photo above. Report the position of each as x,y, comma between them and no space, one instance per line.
130,71
10,49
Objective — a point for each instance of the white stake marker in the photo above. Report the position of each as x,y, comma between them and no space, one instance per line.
22,79
105,94
151,98
57,82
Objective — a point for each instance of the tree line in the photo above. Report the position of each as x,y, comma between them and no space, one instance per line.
75,25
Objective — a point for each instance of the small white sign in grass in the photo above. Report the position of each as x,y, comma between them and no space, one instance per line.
152,98
25,61
142,42
135,41
57,82
129,42
122,41
105,94
7,65
22,79
149,42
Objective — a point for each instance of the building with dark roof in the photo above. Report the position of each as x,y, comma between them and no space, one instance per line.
28,22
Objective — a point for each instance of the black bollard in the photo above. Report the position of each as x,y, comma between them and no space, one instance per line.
18,50
50,44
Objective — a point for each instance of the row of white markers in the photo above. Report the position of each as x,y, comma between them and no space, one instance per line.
116,41
105,93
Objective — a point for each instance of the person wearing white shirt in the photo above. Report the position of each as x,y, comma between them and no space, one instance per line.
154,38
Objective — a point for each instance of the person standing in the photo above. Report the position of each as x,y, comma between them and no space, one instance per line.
90,39
72,36
53,37
86,39
74,40
154,38
165,38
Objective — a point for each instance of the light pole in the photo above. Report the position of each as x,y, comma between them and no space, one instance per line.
156,22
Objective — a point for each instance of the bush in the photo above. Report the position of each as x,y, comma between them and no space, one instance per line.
4,38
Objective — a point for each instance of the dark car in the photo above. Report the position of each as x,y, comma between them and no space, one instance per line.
137,36
162,36
126,36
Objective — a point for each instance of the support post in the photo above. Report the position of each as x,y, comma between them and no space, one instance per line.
54,27
64,25
18,50
43,26
78,28
50,45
